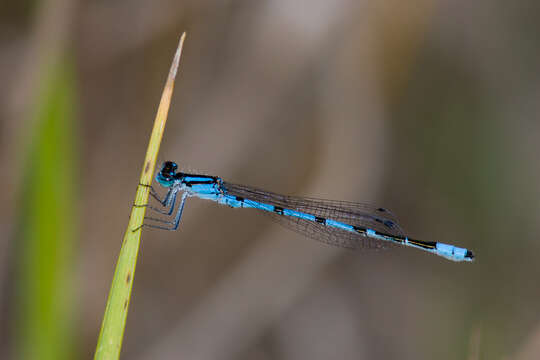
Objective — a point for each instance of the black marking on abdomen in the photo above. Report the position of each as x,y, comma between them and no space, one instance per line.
393,238
278,210
239,198
423,244
320,220
397,239
359,230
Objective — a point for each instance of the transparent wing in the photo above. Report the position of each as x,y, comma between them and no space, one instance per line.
329,235
355,214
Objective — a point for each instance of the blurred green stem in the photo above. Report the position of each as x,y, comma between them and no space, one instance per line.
47,222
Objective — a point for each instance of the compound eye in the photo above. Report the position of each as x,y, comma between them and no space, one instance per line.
167,174
169,168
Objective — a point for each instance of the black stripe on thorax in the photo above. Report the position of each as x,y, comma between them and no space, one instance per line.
189,183
320,220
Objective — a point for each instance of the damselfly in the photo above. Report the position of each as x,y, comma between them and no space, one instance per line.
338,223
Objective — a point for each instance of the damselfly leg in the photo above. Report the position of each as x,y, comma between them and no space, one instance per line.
173,225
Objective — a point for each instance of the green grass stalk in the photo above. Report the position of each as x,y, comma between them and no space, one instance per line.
114,321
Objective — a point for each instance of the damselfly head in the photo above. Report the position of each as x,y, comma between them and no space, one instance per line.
167,173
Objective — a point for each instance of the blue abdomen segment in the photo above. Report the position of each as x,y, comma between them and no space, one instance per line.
340,225
453,252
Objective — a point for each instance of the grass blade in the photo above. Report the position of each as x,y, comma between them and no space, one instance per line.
114,321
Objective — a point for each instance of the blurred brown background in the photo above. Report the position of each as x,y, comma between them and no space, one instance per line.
428,108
